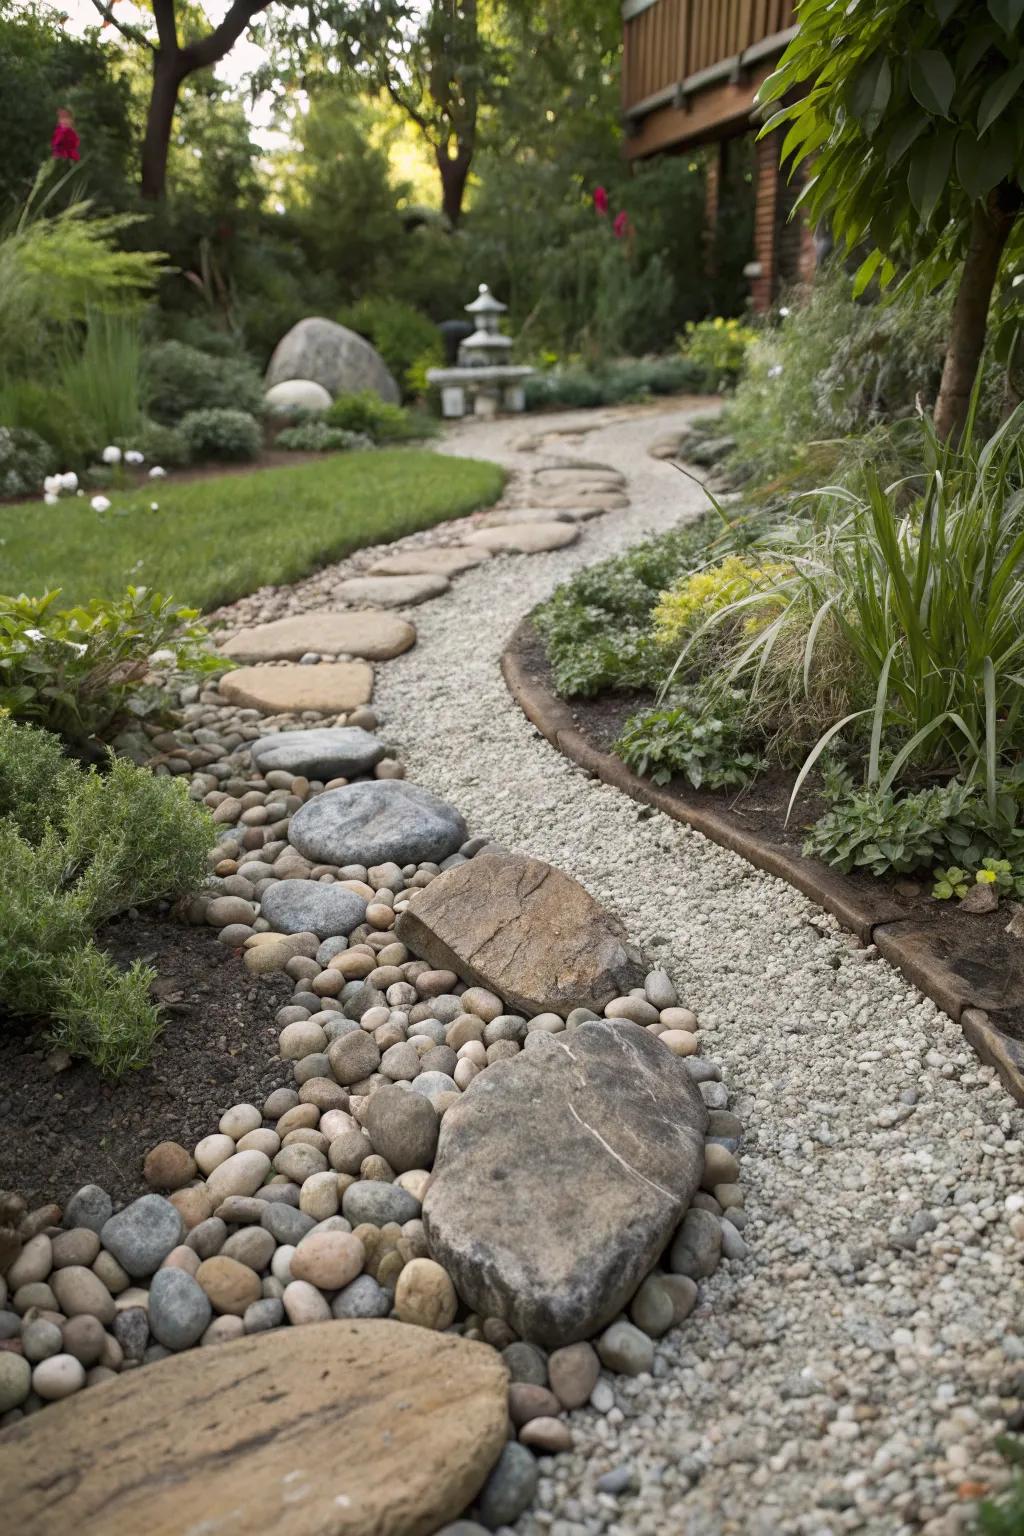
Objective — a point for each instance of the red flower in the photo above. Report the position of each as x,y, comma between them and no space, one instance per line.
600,201
620,225
65,141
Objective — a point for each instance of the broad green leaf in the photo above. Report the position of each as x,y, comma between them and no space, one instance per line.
865,272
1007,13
929,173
932,81
903,135
870,94
999,95
972,49
978,166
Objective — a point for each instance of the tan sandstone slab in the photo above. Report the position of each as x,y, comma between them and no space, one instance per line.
332,1429
514,517
368,633
605,501
525,930
330,688
392,591
449,561
524,538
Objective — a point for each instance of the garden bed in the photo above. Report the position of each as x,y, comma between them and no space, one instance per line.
71,1127
965,962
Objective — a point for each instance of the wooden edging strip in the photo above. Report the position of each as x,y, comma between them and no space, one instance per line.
873,919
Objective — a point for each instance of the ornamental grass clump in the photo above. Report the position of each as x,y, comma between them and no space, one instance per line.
76,849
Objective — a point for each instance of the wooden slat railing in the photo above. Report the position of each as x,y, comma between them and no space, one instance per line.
667,42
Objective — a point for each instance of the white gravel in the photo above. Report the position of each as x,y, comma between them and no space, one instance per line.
832,1381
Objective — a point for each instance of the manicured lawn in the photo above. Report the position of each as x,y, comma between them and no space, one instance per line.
214,540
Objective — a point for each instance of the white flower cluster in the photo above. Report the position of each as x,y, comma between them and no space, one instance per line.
54,485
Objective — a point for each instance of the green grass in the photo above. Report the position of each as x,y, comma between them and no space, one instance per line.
214,540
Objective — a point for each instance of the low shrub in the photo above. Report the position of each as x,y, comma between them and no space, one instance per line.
25,460
943,829
701,734
55,416
167,447
577,388
75,670
319,437
690,602
181,380
222,433
375,418
719,348
100,844
406,339
596,626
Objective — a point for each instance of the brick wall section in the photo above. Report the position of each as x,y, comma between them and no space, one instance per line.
766,211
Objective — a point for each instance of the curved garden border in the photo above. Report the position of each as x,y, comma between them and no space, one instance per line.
925,958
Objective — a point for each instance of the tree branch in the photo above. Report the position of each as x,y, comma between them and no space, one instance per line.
166,25
129,33
211,48
409,110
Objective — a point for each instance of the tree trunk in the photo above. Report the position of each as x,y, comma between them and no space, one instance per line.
168,74
454,171
991,223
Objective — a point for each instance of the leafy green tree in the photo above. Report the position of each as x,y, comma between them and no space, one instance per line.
910,114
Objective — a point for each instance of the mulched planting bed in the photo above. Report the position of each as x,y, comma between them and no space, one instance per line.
962,960
219,1047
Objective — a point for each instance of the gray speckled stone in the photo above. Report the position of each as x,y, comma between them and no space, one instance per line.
362,1297
376,1202
374,822
306,906
179,1310
327,753
142,1235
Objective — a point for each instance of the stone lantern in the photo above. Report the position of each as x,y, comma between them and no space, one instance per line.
484,379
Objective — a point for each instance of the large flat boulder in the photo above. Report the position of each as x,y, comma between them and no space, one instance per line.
330,688
326,752
333,1429
561,1175
522,929
374,636
331,355
376,822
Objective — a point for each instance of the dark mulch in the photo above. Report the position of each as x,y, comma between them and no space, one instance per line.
970,955
65,1129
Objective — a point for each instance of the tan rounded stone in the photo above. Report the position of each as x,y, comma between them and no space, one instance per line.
168,1166
194,1205
328,1260
679,1042
425,1295
230,1285
79,1290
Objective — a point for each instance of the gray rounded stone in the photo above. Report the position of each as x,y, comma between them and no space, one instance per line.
179,1310
333,356
307,906
142,1235
90,1207
511,1487
625,1349
376,822
323,753
374,1201
526,1363
697,1246
131,1330
261,1316
403,1127
362,1297
285,1224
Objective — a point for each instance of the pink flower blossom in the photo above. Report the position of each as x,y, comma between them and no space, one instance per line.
620,225
600,201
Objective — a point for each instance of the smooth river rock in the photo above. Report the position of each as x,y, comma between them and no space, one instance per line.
327,752
340,360
306,906
374,636
376,822
524,930
345,1428
557,1244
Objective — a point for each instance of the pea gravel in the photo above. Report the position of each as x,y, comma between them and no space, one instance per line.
850,1373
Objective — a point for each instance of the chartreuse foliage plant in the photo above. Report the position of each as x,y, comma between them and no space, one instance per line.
908,116
77,848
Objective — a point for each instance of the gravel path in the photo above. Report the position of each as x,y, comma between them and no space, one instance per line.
852,1373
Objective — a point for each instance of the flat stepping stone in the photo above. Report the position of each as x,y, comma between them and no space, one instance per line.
332,1429
524,539
513,517
330,688
392,591
306,906
523,929
603,501
375,636
429,562
378,821
331,752
557,1243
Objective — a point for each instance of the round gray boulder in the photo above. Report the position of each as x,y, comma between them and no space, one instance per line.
306,906
142,1235
179,1309
375,822
333,356
330,752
